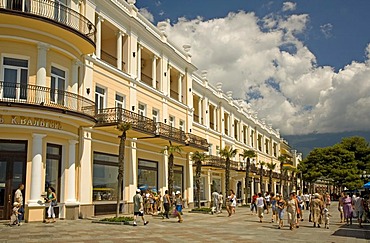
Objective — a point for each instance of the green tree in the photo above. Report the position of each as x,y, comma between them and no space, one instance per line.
271,166
282,159
122,127
227,153
171,150
249,154
262,163
198,158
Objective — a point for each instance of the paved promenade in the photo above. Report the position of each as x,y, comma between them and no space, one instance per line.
241,227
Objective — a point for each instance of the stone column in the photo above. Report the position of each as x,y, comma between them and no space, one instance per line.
139,62
200,110
98,37
179,88
71,186
36,170
41,64
154,71
189,179
132,169
119,49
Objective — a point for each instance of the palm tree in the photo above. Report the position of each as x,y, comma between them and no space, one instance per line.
171,149
247,154
282,160
285,175
294,180
198,158
271,167
122,127
262,163
227,153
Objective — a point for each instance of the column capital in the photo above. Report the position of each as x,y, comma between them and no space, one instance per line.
43,46
72,142
39,136
120,33
77,62
100,18
155,57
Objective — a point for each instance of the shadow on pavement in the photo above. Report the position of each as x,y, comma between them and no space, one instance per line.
354,232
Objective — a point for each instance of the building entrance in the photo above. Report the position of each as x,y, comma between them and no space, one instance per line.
13,157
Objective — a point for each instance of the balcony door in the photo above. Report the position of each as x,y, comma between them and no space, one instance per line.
57,86
15,78
60,13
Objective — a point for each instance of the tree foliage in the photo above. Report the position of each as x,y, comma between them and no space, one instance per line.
227,153
341,163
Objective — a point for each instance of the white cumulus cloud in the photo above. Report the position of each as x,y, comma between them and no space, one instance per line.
264,62
147,14
289,6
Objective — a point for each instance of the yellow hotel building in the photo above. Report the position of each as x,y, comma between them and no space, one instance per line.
71,70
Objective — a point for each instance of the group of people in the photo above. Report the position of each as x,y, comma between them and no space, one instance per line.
145,203
354,207
17,215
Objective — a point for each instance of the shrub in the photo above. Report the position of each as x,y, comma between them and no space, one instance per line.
119,219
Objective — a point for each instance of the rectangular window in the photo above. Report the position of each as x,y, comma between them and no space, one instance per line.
53,167
15,78
182,125
178,181
105,172
202,190
120,101
172,121
155,115
142,109
57,85
99,98
148,175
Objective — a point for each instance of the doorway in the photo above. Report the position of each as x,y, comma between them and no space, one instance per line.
13,158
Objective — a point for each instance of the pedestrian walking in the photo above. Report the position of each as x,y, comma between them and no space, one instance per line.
261,204
232,203
220,202
273,201
340,207
14,218
280,207
214,202
253,203
358,205
139,207
166,204
306,199
267,199
316,209
52,200
18,197
347,208
292,210
179,206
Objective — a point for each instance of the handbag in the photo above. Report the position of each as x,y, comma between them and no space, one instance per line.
54,203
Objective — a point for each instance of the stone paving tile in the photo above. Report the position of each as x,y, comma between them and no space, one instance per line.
241,227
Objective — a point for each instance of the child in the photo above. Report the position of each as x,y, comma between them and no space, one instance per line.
326,217
14,217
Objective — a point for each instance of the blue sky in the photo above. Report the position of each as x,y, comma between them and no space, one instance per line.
344,21
303,65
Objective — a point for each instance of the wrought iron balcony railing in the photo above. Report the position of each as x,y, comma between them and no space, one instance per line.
44,96
214,161
171,133
113,116
51,10
196,141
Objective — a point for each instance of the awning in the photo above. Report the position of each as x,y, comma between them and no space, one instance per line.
367,185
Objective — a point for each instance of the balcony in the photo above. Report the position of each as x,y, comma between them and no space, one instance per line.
214,161
141,126
170,133
145,128
197,142
56,19
12,94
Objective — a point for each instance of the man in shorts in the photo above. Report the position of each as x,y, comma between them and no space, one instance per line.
139,207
